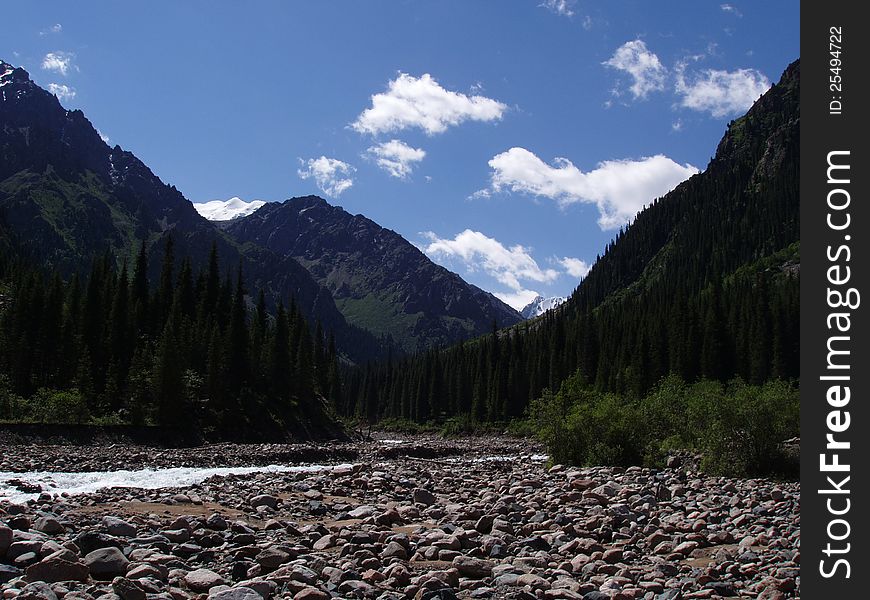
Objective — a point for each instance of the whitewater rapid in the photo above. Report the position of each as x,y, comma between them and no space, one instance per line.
149,479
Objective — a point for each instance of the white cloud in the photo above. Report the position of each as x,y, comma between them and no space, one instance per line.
478,252
730,8
56,28
560,7
645,68
421,102
59,62
721,93
574,266
619,188
396,157
63,92
103,137
331,175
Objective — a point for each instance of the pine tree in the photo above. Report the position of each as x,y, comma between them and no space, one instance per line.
237,351
258,344
119,342
304,376
279,359
168,377
139,289
163,295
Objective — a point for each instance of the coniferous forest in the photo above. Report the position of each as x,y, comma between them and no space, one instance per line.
186,350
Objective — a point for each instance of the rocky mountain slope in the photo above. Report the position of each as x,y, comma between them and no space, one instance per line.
379,280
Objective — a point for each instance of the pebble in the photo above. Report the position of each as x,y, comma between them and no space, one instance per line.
425,519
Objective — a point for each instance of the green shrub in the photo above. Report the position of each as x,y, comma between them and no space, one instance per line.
11,404
62,407
750,426
738,428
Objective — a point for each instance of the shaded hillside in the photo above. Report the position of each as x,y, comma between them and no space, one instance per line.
379,280
703,283
66,197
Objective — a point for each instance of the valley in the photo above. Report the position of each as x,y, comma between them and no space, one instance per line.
287,400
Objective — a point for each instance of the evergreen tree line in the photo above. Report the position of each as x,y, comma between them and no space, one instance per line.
746,328
114,347
704,284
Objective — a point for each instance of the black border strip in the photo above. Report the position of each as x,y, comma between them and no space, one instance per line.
834,260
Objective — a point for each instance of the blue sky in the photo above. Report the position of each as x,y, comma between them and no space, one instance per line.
508,140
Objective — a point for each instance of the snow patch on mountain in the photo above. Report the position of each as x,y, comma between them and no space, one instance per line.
226,210
540,305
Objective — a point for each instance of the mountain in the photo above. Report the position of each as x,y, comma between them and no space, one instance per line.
66,197
227,210
540,305
703,284
379,280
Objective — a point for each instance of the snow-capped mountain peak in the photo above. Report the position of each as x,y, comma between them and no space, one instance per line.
540,305
226,210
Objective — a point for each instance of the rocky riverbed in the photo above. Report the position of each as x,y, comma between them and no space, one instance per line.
391,519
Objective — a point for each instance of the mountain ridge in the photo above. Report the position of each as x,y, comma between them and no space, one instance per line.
379,280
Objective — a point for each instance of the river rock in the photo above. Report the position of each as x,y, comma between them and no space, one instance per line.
20,547
105,562
236,593
8,573
19,522
264,500
322,543
88,541
311,593
474,568
423,496
128,589
49,525
5,539
118,527
53,569
395,550
271,558
36,591
202,580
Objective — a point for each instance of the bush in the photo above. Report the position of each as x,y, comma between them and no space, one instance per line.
750,426
11,404
738,428
582,426
61,407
